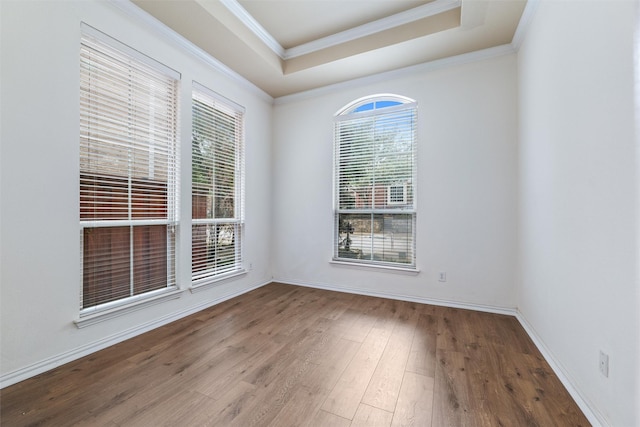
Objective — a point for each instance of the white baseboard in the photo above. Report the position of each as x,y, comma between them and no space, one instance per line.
595,417
401,297
71,355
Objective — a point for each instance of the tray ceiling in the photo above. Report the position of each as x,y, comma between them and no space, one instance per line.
289,46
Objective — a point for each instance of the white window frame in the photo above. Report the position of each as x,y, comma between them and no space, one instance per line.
348,113
94,42
390,189
203,278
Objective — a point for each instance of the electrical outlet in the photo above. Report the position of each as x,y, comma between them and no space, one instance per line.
442,277
604,364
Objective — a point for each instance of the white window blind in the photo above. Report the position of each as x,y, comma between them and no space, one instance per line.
217,186
375,176
128,172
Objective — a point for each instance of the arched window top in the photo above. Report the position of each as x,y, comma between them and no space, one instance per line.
374,102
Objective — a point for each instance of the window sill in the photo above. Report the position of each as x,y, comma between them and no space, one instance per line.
209,282
387,268
88,319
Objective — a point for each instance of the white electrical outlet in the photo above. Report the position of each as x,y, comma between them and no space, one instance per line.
442,277
604,364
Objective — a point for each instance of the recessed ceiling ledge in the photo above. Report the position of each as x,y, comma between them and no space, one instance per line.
432,8
377,40
328,42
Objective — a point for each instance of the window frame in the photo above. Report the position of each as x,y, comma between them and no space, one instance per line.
390,189
203,278
375,106
163,205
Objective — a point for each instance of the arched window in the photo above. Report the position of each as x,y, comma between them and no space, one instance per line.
375,181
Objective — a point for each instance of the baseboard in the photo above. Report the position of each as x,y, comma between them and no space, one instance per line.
594,416
69,356
401,297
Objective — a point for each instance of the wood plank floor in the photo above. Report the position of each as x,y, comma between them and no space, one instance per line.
285,355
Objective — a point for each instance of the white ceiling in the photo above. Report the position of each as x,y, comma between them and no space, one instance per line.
289,46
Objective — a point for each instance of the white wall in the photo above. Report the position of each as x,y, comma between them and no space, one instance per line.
40,259
466,220
578,197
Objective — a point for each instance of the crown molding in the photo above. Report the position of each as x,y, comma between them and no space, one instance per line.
465,58
525,22
253,25
430,9
133,11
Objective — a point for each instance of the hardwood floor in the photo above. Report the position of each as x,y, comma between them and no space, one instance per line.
291,356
